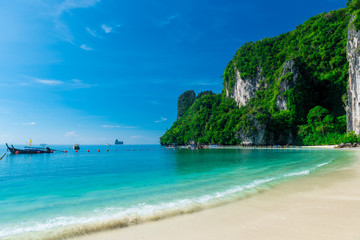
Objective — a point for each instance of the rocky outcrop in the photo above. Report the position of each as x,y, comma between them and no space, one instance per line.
259,133
245,88
256,133
289,79
353,56
184,102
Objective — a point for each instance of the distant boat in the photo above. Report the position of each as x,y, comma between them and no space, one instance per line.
108,144
30,150
117,142
76,147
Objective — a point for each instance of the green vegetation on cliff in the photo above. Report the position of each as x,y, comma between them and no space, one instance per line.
298,75
211,119
185,101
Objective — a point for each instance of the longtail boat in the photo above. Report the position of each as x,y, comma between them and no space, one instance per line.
29,150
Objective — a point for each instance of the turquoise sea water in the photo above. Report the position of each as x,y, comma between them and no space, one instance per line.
45,196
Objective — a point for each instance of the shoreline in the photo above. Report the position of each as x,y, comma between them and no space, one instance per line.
320,206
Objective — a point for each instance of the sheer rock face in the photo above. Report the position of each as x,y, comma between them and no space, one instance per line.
245,88
256,133
353,56
289,79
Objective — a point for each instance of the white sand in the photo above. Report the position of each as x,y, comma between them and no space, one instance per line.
317,207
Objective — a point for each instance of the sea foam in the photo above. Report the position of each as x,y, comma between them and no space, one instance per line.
117,217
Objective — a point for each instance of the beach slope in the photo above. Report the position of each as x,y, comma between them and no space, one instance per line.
324,206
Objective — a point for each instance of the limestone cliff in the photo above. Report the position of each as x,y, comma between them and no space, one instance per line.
245,88
272,86
256,132
353,55
289,78
184,102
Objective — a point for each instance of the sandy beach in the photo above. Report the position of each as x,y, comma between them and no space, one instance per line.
324,206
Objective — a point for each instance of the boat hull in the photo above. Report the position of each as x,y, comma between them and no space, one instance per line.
14,150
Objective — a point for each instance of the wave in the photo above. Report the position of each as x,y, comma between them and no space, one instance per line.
118,217
307,171
301,173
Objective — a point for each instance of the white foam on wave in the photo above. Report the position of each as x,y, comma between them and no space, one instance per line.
302,173
112,217
323,164
307,171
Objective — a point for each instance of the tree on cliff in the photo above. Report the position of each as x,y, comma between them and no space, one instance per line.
301,104
184,102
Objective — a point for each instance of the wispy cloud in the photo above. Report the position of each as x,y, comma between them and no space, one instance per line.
117,126
74,83
92,32
50,82
167,21
67,5
61,29
161,120
30,123
71,134
86,47
106,28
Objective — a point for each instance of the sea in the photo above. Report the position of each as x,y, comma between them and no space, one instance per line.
59,195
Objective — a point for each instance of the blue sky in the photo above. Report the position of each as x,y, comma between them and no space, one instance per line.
91,71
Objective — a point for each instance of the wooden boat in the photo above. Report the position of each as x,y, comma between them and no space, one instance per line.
29,150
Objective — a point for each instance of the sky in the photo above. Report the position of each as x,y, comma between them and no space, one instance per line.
92,71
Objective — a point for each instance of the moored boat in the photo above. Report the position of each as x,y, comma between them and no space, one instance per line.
29,150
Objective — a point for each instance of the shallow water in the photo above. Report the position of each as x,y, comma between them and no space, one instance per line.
49,196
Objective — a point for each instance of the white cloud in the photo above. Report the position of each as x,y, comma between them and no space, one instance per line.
71,134
72,4
107,29
30,123
92,32
86,47
61,29
74,83
49,82
161,120
116,126
63,32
